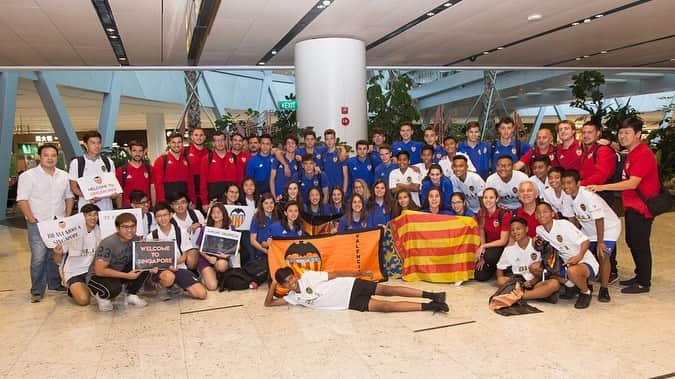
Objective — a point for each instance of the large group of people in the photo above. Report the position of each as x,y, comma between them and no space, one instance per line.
521,196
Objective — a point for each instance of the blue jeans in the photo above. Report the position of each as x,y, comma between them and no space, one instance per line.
43,269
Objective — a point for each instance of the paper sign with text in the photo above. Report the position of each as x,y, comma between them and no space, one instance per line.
68,231
106,220
99,186
150,254
217,240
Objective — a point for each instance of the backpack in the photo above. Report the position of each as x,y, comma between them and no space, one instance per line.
234,279
81,163
125,172
193,216
618,168
257,269
176,228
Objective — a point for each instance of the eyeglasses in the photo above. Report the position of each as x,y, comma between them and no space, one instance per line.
141,202
132,226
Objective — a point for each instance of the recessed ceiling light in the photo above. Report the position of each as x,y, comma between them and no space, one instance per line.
575,23
599,15
447,5
430,14
534,17
261,63
672,59
587,20
532,93
586,56
114,36
122,58
110,29
577,58
603,52
325,3
274,52
486,52
320,6
500,48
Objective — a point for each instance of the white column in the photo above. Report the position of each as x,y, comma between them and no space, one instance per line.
330,73
156,135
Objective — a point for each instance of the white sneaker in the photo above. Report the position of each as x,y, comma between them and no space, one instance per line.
135,301
104,305
459,283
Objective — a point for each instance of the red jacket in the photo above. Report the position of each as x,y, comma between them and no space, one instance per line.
597,164
194,157
137,178
570,158
534,152
235,166
212,171
177,170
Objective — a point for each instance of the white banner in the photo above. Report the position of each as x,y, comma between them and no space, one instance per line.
100,186
240,216
68,231
106,220
217,241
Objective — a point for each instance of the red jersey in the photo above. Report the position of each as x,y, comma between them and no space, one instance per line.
641,162
597,164
570,158
133,178
212,171
532,222
194,157
493,225
174,176
235,166
550,153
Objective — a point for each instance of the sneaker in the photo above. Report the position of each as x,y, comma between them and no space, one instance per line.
552,299
60,288
613,278
436,307
628,282
135,301
570,293
438,297
36,297
104,305
174,290
603,295
583,301
459,283
635,288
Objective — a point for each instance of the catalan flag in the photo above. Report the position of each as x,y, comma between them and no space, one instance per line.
436,248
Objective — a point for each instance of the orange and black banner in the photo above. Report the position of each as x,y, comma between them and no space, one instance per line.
317,225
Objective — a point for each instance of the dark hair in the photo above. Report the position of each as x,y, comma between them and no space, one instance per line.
518,219
283,273
397,208
331,204
162,206
260,212
470,125
404,124
48,146
89,208
284,194
309,132
510,158
460,157
429,148
425,202
494,190
196,128
361,142
349,213
124,217
449,137
308,204
593,124
256,196
378,130
430,128
175,196
571,174
91,134
634,123
328,132
505,120
434,166
292,138
174,135
403,152
239,191
136,196
284,220
253,137
237,134
384,146
223,210
308,158
388,200
550,208
265,136
134,142
218,133
541,158
557,169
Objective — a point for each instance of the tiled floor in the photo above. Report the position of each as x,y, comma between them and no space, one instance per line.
631,337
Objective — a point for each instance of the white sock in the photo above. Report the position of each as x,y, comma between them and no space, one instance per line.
569,284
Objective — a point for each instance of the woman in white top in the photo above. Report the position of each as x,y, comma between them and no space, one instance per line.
78,259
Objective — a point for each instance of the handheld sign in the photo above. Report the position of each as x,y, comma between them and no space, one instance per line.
151,254
220,241
99,186
106,220
240,216
66,231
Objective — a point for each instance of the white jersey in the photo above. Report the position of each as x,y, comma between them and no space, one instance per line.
508,191
562,204
446,164
317,292
79,258
408,177
423,170
519,259
588,207
567,239
541,186
185,243
92,168
185,225
472,187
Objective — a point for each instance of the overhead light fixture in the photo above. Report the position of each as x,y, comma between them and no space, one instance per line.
500,48
577,58
110,29
555,89
326,3
641,74
114,36
447,5
532,93
274,52
603,52
430,14
122,58
599,15
586,56
575,23
672,59
109,26
612,80
587,20
486,52
320,6
534,17
261,63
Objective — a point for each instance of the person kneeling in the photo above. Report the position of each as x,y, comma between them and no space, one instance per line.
519,257
341,290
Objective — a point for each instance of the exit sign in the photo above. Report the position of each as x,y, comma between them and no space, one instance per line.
288,105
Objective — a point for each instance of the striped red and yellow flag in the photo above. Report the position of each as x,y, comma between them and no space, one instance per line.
436,248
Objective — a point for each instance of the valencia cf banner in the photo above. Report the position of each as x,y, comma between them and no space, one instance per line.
436,248
315,225
352,251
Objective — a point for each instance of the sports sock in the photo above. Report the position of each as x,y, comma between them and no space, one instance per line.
569,283
434,306
438,297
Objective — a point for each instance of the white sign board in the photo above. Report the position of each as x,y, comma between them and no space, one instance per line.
68,231
99,186
106,220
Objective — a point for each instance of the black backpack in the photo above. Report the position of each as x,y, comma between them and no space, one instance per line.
81,163
125,172
257,269
234,279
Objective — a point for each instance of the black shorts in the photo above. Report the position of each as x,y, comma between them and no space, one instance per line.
361,293
184,278
82,278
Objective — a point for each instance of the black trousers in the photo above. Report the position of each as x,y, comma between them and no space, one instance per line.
110,288
491,257
638,232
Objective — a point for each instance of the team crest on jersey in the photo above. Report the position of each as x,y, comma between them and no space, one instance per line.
409,179
146,175
243,159
514,151
260,165
495,223
318,156
335,159
129,175
559,238
309,290
579,152
514,189
583,207
102,167
533,256
231,160
551,157
369,167
316,183
471,188
484,150
589,156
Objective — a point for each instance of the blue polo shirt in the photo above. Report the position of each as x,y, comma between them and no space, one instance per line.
378,215
277,230
479,155
323,210
332,167
382,172
332,211
319,181
439,152
510,150
280,180
440,212
258,168
414,149
319,152
360,170
375,155
346,226
467,213
260,230
446,190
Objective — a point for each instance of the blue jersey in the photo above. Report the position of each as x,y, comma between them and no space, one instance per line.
360,170
479,155
345,226
414,149
379,215
323,210
281,180
467,213
276,229
332,167
445,187
439,152
319,181
382,172
375,156
259,168
319,152
515,149
440,211
333,211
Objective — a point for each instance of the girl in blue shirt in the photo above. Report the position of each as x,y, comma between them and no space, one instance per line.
356,217
360,187
264,217
403,202
436,179
289,225
336,203
381,206
313,205
433,203
459,206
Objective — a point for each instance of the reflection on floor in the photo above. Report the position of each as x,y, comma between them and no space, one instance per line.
631,337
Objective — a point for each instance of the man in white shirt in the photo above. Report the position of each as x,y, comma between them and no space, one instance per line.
467,182
554,195
506,181
187,219
572,246
94,165
427,156
598,221
341,290
139,199
540,166
446,162
405,178
43,194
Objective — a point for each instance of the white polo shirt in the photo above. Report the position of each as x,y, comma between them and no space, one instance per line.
92,168
317,292
588,207
508,191
407,177
446,164
46,194
562,204
423,170
567,239
541,186
519,259
185,225
472,187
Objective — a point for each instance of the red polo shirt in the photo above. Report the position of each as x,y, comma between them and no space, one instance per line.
641,163
137,178
235,166
492,226
177,170
532,222
570,158
550,153
597,164
195,156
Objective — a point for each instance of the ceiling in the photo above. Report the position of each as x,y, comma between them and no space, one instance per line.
69,33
